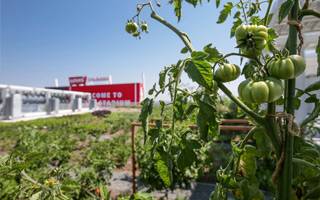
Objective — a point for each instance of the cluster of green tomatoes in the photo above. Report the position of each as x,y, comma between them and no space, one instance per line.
135,29
252,39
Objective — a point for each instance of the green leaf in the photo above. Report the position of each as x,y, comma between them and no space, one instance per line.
192,2
200,72
177,8
214,54
311,99
162,78
206,118
218,3
199,55
162,106
184,50
235,25
247,164
254,8
296,103
225,12
146,110
237,15
313,87
163,171
285,9
190,109
185,159
152,90
313,115
219,193
105,194
264,146
318,56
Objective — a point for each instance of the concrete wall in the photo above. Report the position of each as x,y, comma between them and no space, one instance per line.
18,102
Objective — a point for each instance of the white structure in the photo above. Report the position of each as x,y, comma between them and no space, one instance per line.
311,33
18,102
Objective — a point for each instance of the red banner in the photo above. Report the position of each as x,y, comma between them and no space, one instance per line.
114,94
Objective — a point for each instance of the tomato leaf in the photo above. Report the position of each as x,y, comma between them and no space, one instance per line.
163,171
264,147
206,119
219,193
177,8
218,3
313,87
192,2
225,12
236,23
214,54
311,99
162,78
285,9
200,72
313,115
146,110
184,50
199,55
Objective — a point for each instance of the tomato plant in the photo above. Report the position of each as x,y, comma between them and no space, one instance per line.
270,74
62,158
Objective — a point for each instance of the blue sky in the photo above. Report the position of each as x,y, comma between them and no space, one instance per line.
46,39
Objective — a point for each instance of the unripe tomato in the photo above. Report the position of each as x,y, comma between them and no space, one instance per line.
265,91
131,27
299,64
275,88
227,72
241,33
251,38
287,68
144,27
260,92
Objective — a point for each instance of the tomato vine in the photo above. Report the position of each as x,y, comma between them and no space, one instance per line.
270,74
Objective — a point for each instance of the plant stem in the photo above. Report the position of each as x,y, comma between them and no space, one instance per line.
237,54
244,11
244,107
310,12
266,17
183,36
272,129
285,179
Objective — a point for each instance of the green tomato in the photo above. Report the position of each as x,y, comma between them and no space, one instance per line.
252,39
265,91
227,72
275,88
144,27
260,92
131,27
241,33
287,68
299,64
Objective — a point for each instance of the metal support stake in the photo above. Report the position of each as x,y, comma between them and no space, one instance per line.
133,159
